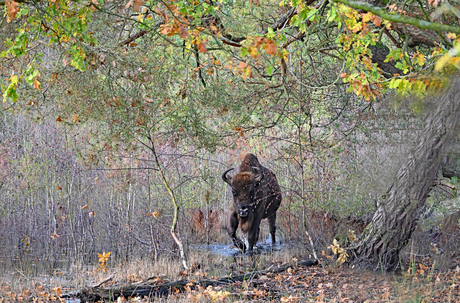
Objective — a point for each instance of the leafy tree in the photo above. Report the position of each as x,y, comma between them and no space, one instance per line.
143,71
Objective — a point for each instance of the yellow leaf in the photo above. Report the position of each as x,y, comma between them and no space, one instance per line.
352,235
367,16
76,118
442,62
420,58
254,52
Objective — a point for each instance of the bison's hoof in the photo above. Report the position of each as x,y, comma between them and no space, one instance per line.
239,244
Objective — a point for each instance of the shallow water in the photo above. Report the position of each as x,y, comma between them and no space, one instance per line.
264,246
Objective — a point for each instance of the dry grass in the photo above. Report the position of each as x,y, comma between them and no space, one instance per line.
324,283
51,283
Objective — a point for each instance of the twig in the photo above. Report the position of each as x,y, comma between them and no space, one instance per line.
103,281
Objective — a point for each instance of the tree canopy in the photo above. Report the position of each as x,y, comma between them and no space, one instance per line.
207,50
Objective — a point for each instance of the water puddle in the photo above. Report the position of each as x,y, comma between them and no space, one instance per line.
264,246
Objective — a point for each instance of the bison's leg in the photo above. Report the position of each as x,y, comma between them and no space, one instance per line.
253,234
272,225
232,227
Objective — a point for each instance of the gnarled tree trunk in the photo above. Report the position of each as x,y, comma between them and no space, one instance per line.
396,218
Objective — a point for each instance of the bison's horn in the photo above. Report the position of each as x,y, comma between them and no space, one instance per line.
225,178
258,176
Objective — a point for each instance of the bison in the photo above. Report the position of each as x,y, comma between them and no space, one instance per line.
256,196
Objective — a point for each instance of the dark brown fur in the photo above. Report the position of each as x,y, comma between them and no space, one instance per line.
256,196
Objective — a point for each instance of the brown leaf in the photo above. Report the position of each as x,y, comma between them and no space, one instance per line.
94,5
270,47
153,214
37,85
12,9
258,41
377,21
76,118
434,3
55,235
183,32
202,47
129,3
242,65
137,5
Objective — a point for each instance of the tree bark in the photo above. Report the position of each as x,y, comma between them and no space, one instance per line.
396,218
171,193
146,289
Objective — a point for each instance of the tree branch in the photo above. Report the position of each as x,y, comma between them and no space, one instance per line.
378,11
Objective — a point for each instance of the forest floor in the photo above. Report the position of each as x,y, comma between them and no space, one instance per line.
324,282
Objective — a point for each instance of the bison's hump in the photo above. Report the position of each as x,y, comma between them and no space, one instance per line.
249,161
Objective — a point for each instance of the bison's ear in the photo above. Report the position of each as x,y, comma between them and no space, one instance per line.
258,175
226,178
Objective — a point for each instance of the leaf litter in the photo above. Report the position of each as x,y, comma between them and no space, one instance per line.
293,283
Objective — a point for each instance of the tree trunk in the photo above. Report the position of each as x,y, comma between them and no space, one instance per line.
168,187
396,218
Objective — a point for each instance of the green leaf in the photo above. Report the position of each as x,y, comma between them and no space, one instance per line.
312,14
269,70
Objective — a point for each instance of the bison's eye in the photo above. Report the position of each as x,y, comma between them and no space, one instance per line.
234,193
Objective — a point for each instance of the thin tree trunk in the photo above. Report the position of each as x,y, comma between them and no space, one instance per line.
396,218
175,204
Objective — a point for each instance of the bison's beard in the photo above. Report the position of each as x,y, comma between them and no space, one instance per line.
246,223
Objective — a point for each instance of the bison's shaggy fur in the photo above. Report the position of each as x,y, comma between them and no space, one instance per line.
256,196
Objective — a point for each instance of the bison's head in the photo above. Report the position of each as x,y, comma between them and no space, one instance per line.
244,186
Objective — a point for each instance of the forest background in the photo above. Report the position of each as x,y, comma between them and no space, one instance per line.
118,118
